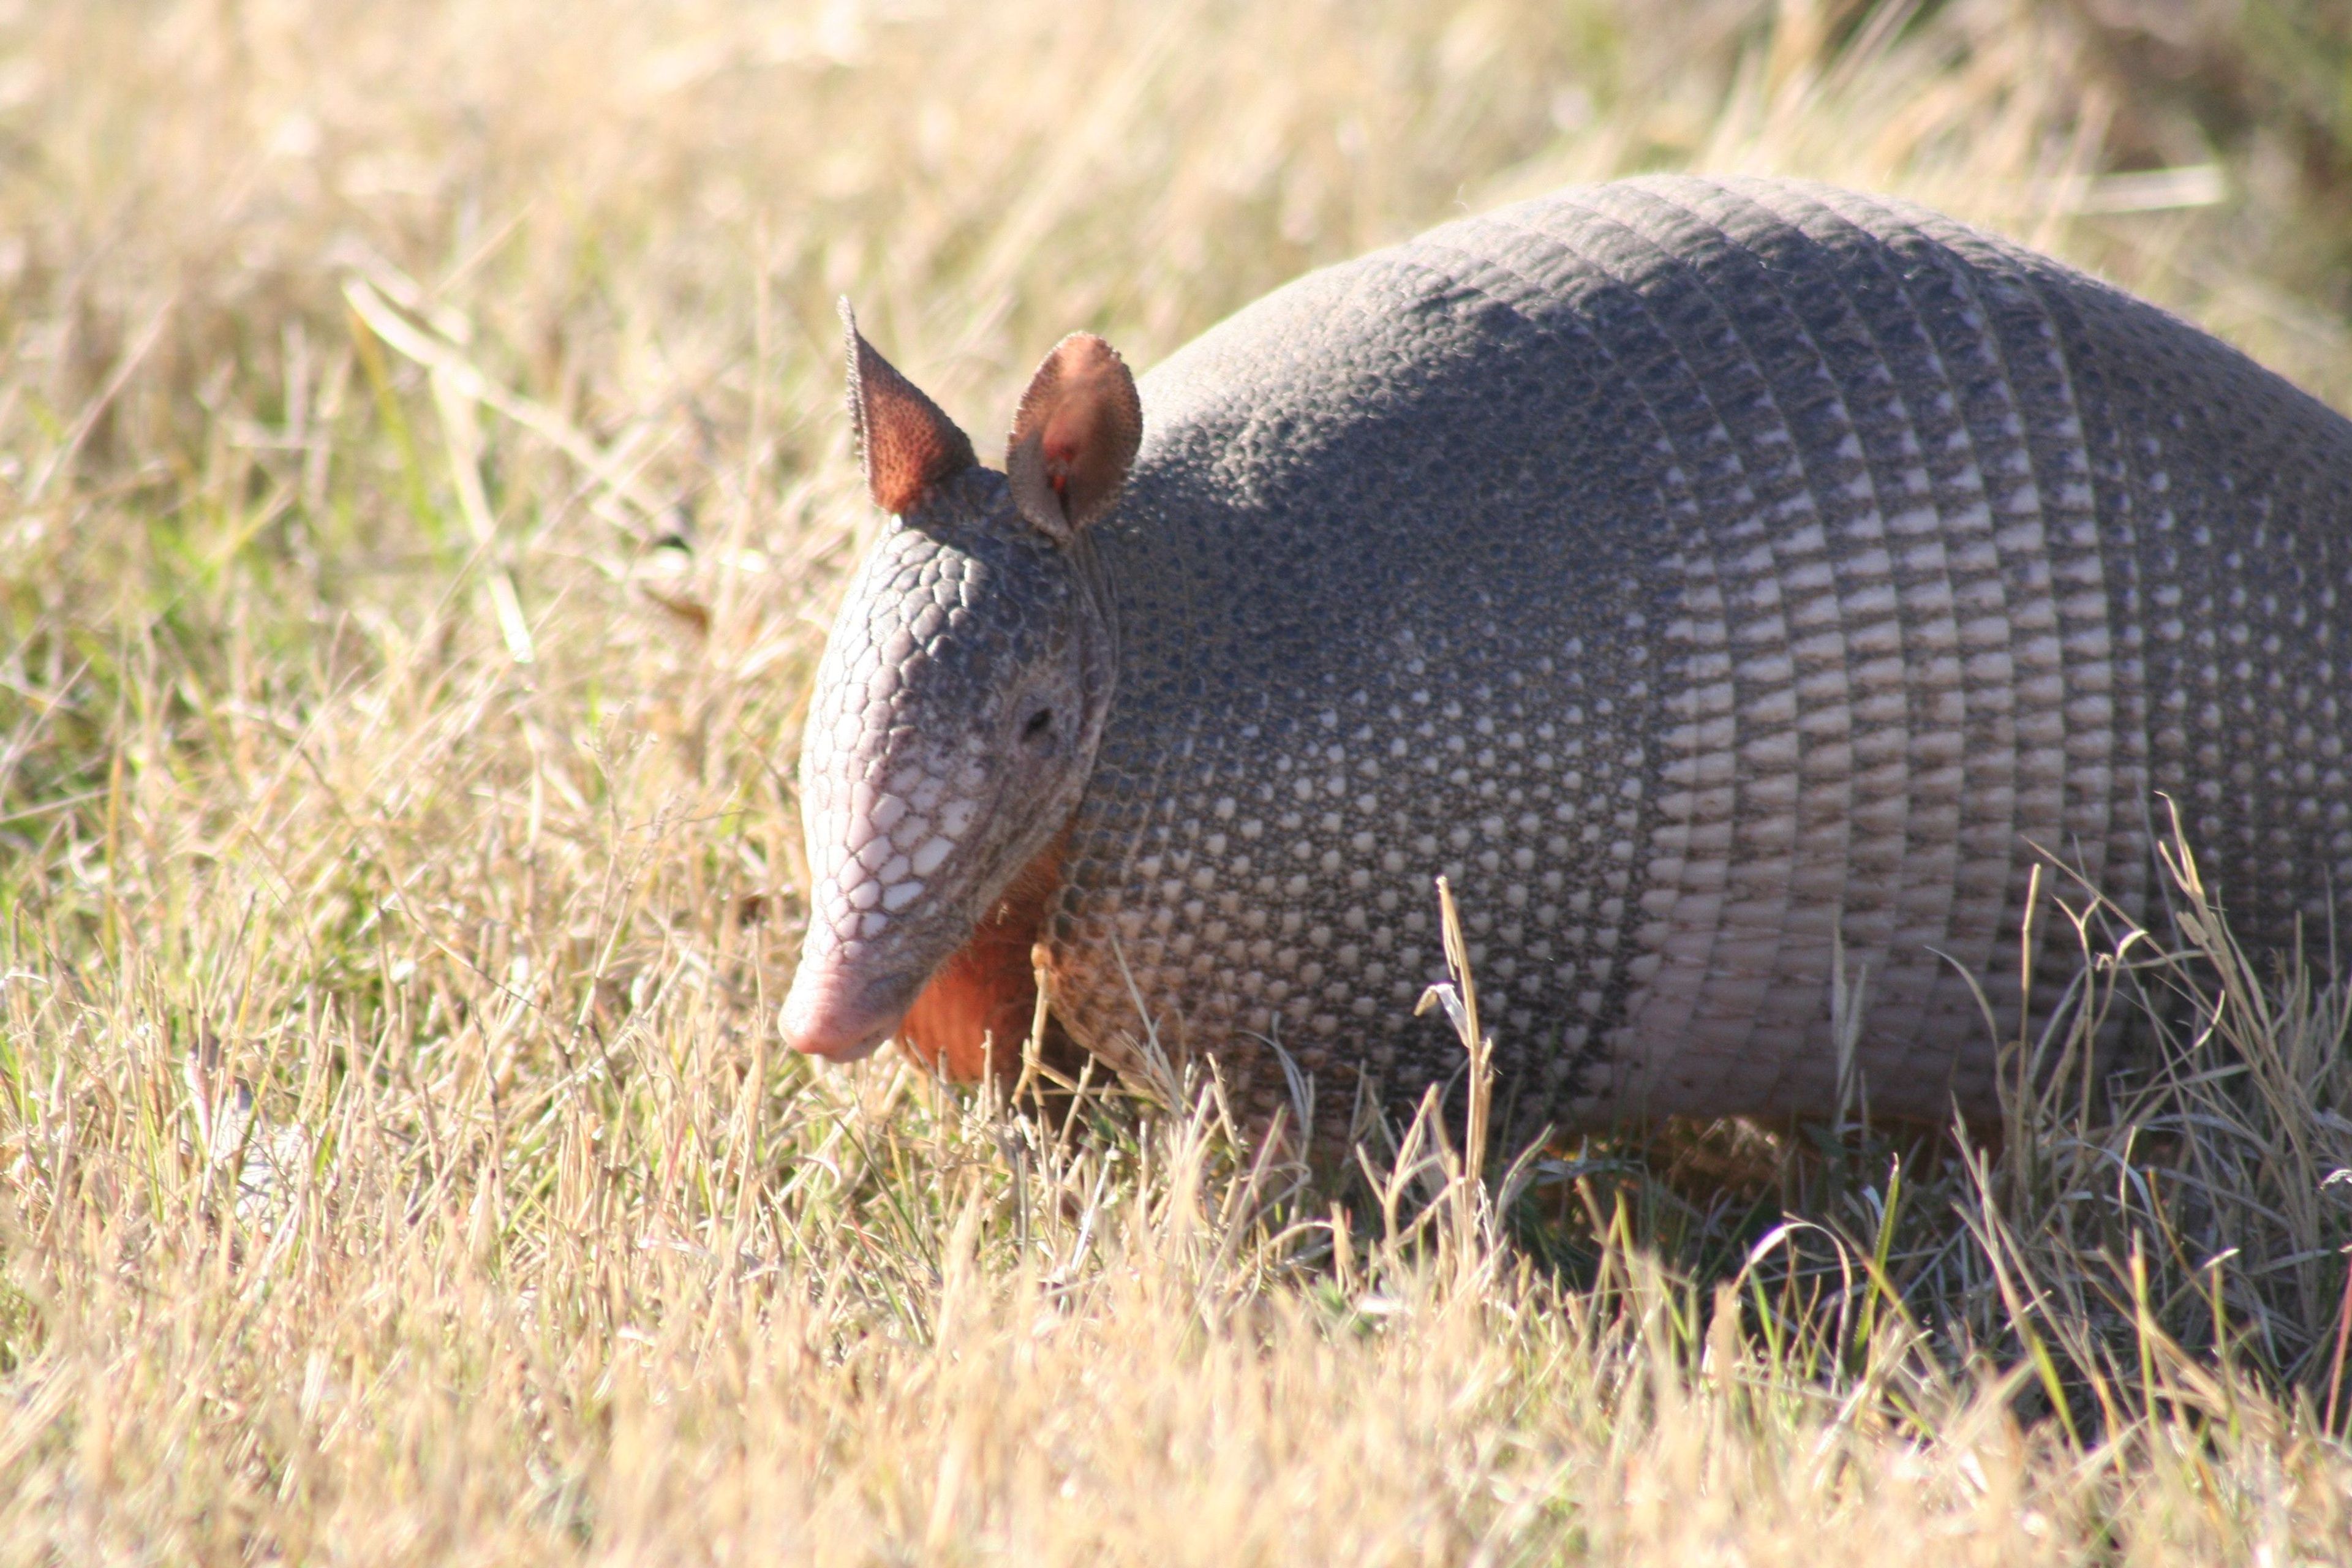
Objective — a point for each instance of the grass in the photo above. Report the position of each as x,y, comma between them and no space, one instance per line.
425,487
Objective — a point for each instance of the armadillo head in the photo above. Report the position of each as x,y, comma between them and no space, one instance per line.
965,686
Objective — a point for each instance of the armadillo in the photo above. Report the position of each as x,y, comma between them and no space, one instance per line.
1736,588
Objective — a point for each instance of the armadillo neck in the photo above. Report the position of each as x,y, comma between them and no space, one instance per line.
1711,579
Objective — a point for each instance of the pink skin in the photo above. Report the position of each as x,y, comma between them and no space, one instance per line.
829,1012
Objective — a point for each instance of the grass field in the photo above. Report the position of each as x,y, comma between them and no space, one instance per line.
423,485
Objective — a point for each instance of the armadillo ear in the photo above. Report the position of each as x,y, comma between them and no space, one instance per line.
908,446
1079,425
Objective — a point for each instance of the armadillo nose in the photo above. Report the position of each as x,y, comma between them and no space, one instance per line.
832,1014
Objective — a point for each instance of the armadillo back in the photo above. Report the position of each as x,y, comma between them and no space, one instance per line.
1701,575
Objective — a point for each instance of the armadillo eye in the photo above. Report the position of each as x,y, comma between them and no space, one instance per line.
1040,724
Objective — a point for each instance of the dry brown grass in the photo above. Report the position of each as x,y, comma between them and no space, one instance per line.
392,718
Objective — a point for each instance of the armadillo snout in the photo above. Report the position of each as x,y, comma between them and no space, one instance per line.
874,935
834,1013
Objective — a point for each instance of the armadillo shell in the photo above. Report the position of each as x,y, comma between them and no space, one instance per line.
1709,578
